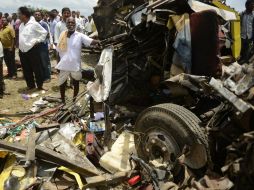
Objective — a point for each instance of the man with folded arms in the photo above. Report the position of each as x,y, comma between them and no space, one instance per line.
31,36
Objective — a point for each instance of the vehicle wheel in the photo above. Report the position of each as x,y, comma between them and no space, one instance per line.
163,131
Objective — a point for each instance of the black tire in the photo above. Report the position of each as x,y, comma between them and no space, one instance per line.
179,125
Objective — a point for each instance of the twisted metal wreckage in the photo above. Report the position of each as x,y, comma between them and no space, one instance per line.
168,100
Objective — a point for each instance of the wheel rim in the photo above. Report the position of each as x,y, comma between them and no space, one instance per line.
160,146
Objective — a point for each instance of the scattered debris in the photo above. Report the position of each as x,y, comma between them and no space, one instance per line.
161,110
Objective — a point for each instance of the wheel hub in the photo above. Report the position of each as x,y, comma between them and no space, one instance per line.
161,147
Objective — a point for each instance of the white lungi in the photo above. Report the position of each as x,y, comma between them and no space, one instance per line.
64,75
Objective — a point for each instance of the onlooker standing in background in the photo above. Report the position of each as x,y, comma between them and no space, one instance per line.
1,72
61,25
55,14
1,20
16,23
79,22
14,19
9,19
73,14
85,20
6,15
44,52
7,36
52,22
45,22
52,25
31,35
247,30
88,26
45,17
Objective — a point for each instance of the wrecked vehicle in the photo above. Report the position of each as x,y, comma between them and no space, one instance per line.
169,107
148,45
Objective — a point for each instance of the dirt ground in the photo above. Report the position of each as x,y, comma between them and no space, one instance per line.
14,102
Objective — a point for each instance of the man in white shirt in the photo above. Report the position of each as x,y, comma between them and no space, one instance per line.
31,35
79,22
69,48
55,15
52,22
88,26
61,25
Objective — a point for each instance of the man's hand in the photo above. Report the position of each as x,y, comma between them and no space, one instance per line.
51,46
96,43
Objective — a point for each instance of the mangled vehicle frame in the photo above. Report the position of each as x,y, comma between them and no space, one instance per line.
169,67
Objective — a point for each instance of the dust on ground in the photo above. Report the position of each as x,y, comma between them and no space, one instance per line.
15,103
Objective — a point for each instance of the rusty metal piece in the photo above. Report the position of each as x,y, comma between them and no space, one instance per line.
30,153
106,179
46,127
108,126
33,117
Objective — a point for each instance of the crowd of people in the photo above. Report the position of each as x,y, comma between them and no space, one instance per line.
33,34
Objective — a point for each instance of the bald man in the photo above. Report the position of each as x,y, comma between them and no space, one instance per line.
69,48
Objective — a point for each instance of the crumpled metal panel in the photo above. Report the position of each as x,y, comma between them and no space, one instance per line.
100,88
67,148
241,105
108,14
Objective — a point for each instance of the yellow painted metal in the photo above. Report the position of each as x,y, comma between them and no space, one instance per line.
236,35
3,154
27,180
76,175
11,159
235,28
79,139
24,181
18,171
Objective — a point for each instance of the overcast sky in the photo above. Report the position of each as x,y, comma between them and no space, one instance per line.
85,6
239,5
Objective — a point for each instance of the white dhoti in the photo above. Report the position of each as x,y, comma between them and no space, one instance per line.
64,75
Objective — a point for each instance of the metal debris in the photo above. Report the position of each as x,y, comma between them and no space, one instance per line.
191,124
